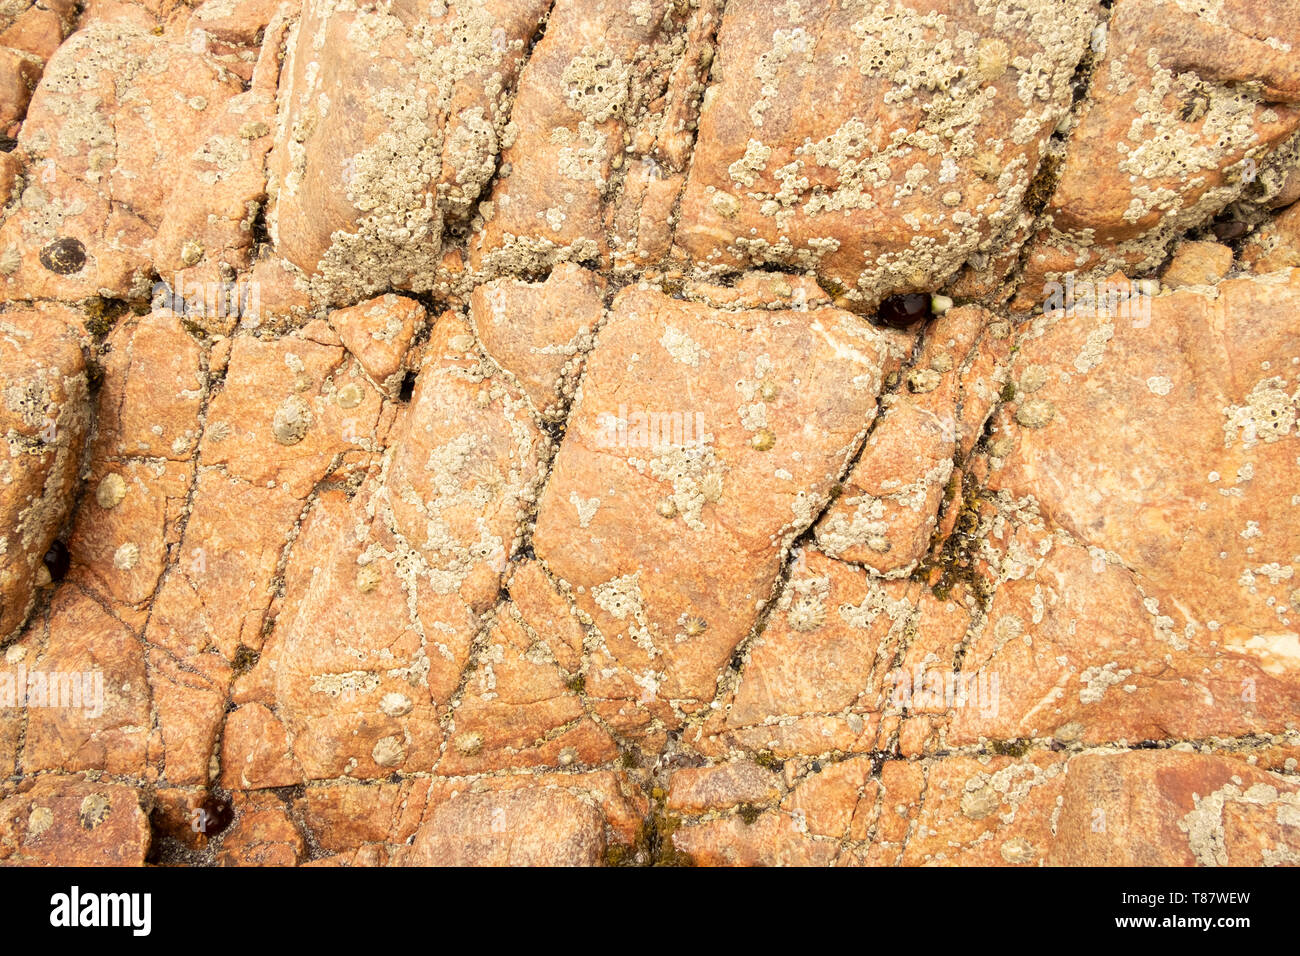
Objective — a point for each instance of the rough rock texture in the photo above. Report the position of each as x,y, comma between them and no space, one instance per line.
390,124
837,432
1190,107
919,158
682,517
71,823
44,415
30,32
539,332
109,135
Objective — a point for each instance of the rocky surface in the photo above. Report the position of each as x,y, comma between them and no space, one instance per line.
650,433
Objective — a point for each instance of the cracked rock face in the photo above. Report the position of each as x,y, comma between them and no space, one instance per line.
44,416
482,433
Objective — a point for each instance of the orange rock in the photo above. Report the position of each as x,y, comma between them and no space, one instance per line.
361,195
153,388
761,434
1186,111
39,29
19,73
588,76
538,332
347,816
696,789
286,408
262,835
44,417
238,22
96,713
880,519
1191,809
255,751
100,186
189,700
825,800
463,435
774,839
1198,263
821,647
1277,244
1131,390
220,585
70,821
224,187
378,333
518,710
785,174
545,612
527,827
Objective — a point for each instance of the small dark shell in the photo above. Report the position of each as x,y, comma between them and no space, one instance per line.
1229,229
902,311
64,256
